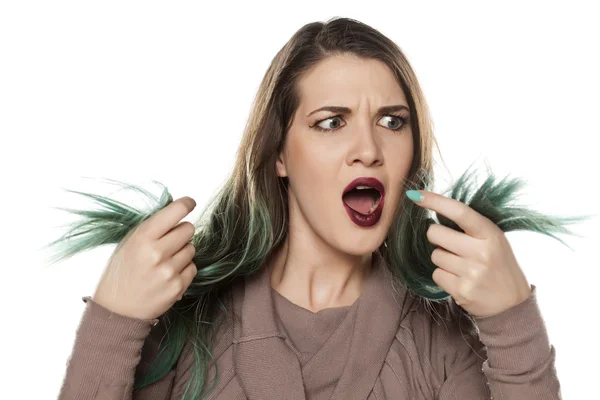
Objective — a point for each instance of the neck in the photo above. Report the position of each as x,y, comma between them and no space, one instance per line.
316,278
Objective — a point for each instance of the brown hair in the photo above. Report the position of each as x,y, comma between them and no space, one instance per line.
247,218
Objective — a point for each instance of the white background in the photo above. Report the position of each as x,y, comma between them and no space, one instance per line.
136,91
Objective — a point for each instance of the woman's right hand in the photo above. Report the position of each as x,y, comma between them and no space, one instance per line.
152,267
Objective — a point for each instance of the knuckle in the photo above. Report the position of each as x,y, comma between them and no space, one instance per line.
431,232
191,249
191,229
155,256
178,286
483,255
434,255
463,212
465,288
168,273
473,273
428,231
194,269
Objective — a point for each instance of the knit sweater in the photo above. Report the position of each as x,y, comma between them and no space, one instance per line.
388,345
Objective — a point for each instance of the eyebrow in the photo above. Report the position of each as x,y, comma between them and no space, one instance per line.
346,110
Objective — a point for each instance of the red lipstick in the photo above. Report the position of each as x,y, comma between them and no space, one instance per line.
365,220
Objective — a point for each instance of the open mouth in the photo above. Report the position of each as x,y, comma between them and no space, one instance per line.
362,199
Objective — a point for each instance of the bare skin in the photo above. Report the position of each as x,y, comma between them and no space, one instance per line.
152,267
326,257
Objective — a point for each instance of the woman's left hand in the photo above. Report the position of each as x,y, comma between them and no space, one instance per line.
478,267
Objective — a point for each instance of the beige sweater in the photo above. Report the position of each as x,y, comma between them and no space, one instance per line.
387,345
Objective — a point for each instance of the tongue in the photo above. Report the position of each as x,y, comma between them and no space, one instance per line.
359,202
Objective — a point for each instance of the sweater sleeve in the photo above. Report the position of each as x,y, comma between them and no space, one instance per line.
106,353
507,356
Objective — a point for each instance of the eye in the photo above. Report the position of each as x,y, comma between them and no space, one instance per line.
400,123
318,126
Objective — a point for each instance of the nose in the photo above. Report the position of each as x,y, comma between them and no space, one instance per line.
365,147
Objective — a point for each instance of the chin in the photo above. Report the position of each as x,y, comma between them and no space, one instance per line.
361,247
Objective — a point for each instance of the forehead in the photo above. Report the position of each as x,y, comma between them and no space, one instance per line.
348,80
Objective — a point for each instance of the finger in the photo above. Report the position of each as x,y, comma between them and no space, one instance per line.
446,280
187,275
164,220
470,221
456,242
173,241
182,258
448,261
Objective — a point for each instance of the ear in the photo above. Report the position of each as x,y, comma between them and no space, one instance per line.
280,165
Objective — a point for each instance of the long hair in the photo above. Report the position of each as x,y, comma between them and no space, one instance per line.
247,218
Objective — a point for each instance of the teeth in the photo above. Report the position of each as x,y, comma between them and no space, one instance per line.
374,206
363,187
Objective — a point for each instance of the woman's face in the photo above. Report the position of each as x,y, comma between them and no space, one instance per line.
358,143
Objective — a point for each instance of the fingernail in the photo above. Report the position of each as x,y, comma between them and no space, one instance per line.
414,195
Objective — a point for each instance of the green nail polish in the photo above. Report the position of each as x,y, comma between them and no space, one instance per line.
414,195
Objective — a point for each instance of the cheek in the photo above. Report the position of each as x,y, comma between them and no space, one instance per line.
300,169
398,167
313,172
313,160
399,155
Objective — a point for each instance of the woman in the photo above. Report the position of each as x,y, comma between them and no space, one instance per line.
316,274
